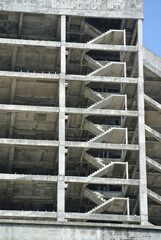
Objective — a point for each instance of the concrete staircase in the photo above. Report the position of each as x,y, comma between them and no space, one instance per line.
154,196
95,197
112,135
92,95
156,106
112,69
153,133
91,30
111,102
96,162
115,37
153,164
152,102
91,127
105,205
104,170
92,63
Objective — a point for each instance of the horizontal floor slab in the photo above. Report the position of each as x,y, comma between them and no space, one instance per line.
27,214
78,230
47,76
113,146
102,47
77,216
103,217
34,43
83,111
97,180
25,108
69,179
26,142
52,44
86,111
101,79
49,143
29,75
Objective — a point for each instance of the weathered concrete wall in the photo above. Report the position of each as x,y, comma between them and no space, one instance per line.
94,8
34,232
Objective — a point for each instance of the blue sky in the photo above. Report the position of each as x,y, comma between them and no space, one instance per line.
152,25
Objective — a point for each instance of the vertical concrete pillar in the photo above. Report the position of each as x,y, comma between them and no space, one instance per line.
141,132
61,150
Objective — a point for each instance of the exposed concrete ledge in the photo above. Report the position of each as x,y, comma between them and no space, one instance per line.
80,224
55,77
94,8
25,230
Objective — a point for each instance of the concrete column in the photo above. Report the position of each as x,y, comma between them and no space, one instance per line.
141,132
61,153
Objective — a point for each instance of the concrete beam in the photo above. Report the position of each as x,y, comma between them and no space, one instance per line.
29,76
11,158
27,178
102,47
103,181
52,143
23,178
20,25
52,44
61,133
54,77
50,110
103,79
103,217
9,214
29,43
143,203
24,108
27,142
103,112
109,146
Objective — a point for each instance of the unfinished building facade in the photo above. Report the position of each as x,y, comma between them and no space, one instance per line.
80,123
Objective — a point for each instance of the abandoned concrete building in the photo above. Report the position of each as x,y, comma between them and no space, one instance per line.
80,122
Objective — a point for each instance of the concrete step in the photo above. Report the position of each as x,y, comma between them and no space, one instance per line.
104,170
153,164
111,37
112,69
91,127
112,135
104,206
93,196
154,196
100,208
114,101
152,102
98,163
153,133
91,30
92,95
92,63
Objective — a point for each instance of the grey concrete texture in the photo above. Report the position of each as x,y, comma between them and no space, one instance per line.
68,119
26,232
94,8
